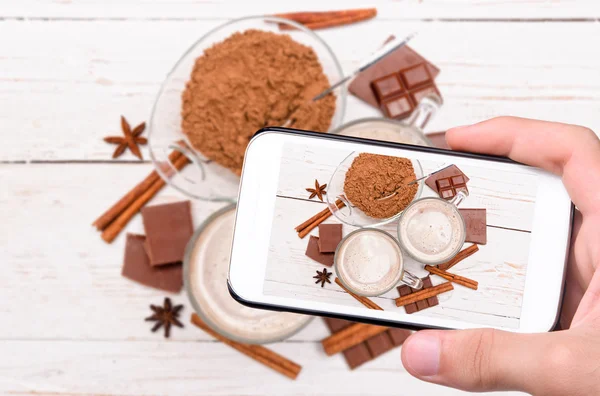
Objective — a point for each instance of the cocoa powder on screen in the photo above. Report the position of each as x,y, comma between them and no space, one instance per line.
372,177
249,81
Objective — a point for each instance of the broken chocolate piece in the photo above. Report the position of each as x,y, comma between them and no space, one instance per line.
402,58
312,251
476,224
136,266
330,235
168,230
449,172
450,186
419,305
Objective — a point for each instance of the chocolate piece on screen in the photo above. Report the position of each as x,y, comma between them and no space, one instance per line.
330,235
312,251
419,305
476,224
448,187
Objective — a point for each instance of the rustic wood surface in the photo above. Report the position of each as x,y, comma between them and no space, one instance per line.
69,69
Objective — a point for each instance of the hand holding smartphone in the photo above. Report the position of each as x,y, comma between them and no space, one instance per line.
519,270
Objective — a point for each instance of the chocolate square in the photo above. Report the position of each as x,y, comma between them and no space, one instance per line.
402,58
460,179
449,172
312,251
379,344
476,224
398,336
168,230
357,355
398,107
387,87
136,266
330,235
416,76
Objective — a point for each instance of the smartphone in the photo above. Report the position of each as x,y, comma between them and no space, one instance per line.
519,267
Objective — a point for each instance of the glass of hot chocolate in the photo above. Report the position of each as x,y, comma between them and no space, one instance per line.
369,263
431,230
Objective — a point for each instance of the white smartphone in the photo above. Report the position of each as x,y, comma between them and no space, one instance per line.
519,267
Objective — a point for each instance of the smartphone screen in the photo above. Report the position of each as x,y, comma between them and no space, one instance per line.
511,224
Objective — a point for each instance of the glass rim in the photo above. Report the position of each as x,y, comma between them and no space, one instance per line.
458,246
366,229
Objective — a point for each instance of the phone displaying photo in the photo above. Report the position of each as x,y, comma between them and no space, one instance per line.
397,234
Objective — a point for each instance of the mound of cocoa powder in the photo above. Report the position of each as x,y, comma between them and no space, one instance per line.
248,81
372,177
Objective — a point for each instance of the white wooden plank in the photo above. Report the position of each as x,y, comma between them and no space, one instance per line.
499,271
406,9
111,68
191,368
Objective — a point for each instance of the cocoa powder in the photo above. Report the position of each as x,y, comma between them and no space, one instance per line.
249,81
372,177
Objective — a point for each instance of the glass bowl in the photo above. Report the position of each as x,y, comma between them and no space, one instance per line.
350,214
204,179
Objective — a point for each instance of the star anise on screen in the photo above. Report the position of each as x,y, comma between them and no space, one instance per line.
132,139
166,316
322,276
318,191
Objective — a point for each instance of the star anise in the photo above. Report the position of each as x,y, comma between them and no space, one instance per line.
131,139
322,276
166,316
318,191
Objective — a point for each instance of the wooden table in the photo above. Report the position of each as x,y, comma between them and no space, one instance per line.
71,324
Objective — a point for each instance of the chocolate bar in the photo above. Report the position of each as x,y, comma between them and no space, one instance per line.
448,187
399,93
476,224
419,305
330,235
402,58
371,348
312,251
168,230
136,266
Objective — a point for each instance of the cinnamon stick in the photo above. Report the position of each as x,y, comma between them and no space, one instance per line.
259,353
107,217
463,254
111,232
317,219
461,280
361,299
350,336
319,22
424,294
315,16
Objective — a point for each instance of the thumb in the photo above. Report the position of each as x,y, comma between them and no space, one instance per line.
479,360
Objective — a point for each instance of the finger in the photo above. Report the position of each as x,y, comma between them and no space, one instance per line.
478,360
570,151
